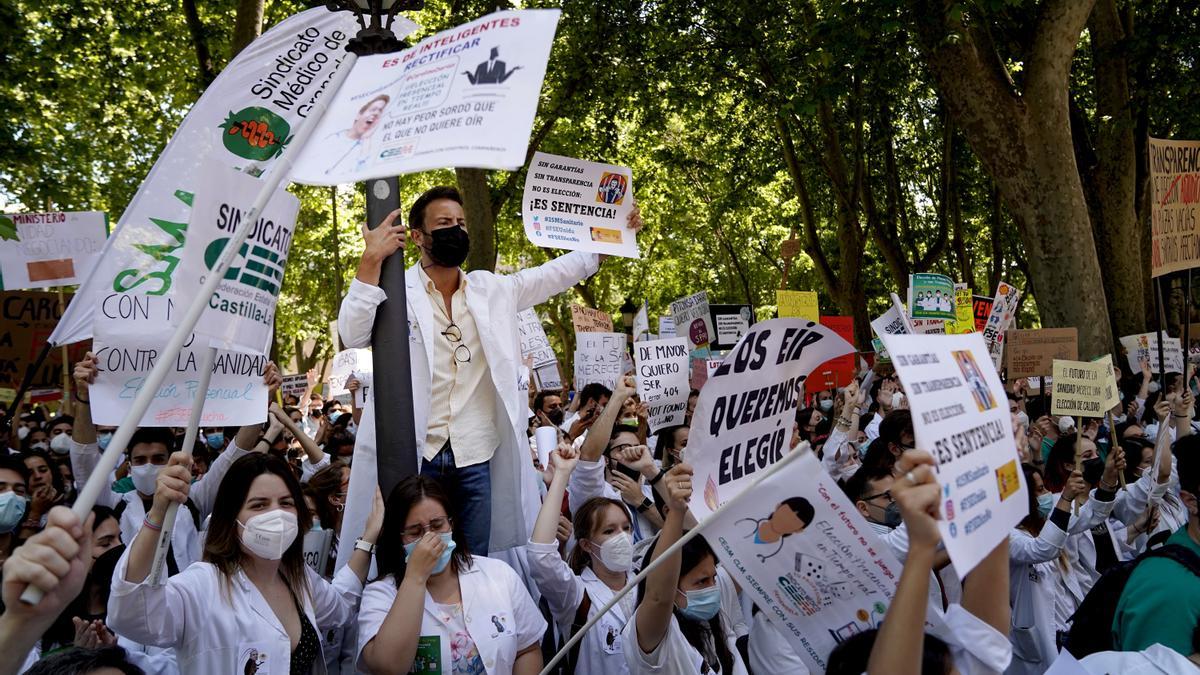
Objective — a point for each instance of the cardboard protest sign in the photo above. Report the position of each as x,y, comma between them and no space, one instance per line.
1111,394
578,205
346,363
960,414
837,372
293,385
666,327
641,325
931,296
1079,388
127,343
1144,347
548,378
41,250
807,558
693,321
1174,205
743,419
929,326
1004,311
731,322
366,383
588,320
981,305
462,97
243,119
964,312
28,318
1033,352
661,374
599,357
241,313
534,343
316,548
888,323
799,304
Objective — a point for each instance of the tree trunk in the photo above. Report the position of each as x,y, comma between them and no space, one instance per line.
247,25
1024,142
208,70
1118,236
481,220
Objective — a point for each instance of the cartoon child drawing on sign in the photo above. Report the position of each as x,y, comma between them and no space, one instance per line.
791,516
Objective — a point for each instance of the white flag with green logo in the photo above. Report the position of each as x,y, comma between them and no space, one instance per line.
244,120
241,313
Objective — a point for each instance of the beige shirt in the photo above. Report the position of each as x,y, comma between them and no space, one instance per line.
462,405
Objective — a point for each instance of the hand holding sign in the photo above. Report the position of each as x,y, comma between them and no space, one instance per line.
917,493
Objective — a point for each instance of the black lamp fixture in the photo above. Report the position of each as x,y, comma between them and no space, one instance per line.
628,310
375,37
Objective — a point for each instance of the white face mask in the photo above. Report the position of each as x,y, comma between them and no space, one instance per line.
145,478
616,553
40,445
1152,388
61,444
269,534
1023,419
22,432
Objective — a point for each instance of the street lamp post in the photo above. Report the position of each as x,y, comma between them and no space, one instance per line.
395,436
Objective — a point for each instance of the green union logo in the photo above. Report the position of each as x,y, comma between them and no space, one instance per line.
261,267
255,133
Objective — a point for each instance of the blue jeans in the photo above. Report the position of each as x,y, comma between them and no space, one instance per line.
470,492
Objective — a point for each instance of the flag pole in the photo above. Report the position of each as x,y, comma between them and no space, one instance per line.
189,442
279,171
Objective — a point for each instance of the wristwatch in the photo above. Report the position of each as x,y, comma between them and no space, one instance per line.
363,545
645,505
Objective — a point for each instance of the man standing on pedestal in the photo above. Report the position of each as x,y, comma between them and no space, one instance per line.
470,417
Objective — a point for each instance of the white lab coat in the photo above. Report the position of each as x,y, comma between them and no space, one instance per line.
185,538
499,615
214,624
600,650
1031,563
494,301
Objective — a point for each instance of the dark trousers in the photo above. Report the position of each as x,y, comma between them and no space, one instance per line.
470,491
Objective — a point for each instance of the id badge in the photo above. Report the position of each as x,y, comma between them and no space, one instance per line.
428,660
253,660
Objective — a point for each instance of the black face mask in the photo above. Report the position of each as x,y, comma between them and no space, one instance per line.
556,416
1093,469
450,246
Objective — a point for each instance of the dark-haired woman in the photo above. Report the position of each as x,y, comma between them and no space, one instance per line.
677,626
436,607
599,565
252,605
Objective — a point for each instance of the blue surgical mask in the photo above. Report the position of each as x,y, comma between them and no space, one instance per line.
12,510
825,404
444,559
215,441
103,439
702,604
1045,504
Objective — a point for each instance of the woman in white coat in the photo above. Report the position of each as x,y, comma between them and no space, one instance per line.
1035,548
599,566
437,608
252,605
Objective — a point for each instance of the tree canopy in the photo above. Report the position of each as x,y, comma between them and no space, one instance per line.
989,140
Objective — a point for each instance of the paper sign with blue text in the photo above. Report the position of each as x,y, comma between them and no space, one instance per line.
960,415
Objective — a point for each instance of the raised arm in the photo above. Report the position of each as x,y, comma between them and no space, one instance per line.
545,528
898,647
357,314
174,483
597,438
653,615
311,449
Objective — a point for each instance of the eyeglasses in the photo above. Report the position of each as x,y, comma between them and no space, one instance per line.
438,525
885,493
454,334
618,448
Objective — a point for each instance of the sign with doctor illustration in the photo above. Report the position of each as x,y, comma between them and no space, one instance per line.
808,559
